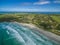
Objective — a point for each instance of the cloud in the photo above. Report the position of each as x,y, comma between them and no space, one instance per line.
42,3
39,2
25,3
57,1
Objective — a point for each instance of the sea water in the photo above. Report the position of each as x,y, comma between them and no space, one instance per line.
14,34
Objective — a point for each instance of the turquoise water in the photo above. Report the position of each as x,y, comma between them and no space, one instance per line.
16,34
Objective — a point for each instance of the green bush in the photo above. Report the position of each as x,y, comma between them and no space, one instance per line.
58,27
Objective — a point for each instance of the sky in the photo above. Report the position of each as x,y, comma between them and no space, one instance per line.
30,5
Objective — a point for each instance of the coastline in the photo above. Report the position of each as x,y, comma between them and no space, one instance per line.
49,35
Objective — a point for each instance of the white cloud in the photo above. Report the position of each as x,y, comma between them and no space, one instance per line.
26,3
20,9
57,1
42,3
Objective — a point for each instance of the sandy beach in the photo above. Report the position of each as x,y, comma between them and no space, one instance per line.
50,35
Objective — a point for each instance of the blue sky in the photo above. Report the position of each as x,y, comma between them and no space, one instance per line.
30,5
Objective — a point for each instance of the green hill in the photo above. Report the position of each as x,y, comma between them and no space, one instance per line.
48,22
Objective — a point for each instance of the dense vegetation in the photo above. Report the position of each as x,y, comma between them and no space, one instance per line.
48,22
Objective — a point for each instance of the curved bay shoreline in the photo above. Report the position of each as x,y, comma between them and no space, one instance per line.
49,35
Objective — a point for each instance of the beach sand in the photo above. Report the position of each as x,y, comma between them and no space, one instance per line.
50,35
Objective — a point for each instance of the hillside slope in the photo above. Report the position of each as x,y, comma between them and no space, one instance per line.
45,21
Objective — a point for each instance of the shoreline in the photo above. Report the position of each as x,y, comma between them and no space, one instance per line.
51,36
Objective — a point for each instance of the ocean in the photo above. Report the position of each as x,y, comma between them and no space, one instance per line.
30,12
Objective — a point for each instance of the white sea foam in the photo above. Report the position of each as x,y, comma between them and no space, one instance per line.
15,34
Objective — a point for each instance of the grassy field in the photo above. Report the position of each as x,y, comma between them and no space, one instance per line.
56,18
48,22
